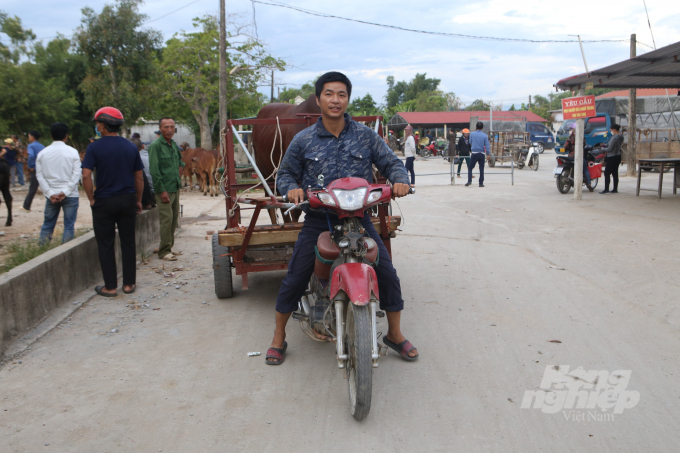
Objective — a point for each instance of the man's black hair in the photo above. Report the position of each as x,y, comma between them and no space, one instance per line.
35,134
332,77
164,118
58,131
615,126
480,125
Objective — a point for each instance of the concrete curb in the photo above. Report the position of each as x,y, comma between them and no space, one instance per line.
38,290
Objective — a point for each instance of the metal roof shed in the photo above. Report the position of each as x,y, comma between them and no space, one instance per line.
657,69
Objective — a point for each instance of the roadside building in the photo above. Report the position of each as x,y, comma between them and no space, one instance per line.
147,128
440,122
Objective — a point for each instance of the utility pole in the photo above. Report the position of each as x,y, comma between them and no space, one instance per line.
223,73
529,102
271,99
632,113
578,155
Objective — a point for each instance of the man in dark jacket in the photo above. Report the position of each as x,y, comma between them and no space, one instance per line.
613,159
336,147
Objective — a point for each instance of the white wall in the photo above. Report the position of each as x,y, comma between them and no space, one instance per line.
147,130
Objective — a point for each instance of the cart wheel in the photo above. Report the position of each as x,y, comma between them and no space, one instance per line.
224,286
492,161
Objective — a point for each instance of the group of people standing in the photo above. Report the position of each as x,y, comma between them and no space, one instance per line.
472,148
124,174
13,152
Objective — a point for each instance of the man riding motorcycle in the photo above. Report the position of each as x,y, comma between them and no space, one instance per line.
336,147
570,149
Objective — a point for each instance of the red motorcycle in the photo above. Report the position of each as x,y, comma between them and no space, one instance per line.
341,303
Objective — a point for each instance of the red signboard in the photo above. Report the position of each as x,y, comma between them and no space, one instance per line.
578,107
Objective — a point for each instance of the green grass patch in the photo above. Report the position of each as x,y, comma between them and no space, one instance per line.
21,252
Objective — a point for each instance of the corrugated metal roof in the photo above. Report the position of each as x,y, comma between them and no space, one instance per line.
657,69
641,93
463,116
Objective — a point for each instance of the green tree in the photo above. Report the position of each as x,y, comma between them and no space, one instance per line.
32,98
400,92
191,67
363,106
121,58
59,63
512,108
289,94
478,105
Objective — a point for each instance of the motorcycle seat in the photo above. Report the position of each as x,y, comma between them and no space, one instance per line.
327,250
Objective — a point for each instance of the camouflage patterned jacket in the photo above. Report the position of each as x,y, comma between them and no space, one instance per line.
315,151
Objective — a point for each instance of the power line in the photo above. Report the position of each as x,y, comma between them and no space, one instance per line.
649,23
449,35
147,22
172,12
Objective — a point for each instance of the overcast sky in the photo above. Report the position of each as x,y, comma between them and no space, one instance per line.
492,70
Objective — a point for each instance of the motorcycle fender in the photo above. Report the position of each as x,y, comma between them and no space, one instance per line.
357,280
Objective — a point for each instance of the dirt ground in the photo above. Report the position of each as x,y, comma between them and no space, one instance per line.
499,283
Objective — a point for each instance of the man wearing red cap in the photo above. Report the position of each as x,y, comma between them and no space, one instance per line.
118,199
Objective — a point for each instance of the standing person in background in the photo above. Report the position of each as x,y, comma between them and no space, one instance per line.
10,154
165,163
410,153
117,201
613,159
20,158
34,148
148,199
57,169
480,149
463,150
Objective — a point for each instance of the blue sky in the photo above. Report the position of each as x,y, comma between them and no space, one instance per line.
504,72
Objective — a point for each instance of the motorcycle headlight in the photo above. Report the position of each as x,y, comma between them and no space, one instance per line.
350,200
343,243
326,199
374,196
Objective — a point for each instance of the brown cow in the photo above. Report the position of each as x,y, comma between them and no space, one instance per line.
263,136
187,172
204,165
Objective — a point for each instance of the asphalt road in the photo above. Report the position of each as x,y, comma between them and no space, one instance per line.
500,283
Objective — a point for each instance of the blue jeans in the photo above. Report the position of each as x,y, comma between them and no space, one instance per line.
20,173
586,173
477,158
301,266
70,207
409,168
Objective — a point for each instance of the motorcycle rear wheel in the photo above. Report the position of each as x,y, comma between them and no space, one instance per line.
563,182
359,363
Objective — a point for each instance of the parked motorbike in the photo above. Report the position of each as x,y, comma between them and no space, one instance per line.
342,300
564,172
529,157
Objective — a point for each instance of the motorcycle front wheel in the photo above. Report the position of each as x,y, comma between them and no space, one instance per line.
359,363
533,164
563,182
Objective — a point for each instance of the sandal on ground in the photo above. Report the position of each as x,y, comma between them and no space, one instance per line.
402,348
98,290
169,257
134,287
276,353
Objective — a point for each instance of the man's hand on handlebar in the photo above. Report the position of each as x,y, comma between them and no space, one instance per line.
400,190
296,196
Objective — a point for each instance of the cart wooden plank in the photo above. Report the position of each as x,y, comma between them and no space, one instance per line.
281,234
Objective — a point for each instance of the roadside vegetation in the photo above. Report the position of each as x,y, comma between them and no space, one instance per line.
22,251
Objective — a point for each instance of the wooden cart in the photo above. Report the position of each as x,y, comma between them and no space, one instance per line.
506,146
253,247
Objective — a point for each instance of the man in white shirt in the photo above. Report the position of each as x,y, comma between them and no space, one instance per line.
58,171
